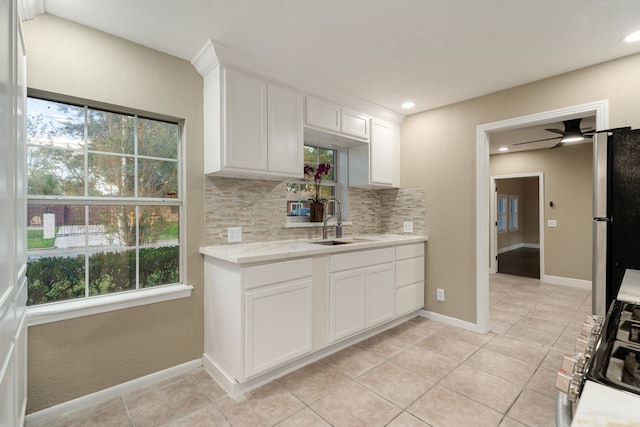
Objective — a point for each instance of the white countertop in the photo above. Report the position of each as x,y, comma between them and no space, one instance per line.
602,406
630,287
241,253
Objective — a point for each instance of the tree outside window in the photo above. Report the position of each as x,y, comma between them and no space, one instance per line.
299,193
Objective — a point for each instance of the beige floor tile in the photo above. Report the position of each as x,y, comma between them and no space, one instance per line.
426,363
510,422
264,406
497,326
530,353
313,381
166,402
443,343
411,332
506,315
210,416
208,384
353,361
566,342
467,336
532,335
385,345
109,413
502,366
534,409
394,383
445,408
510,307
549,325
518,301
543,381
482,387
306,418
354,405
553,360
405,419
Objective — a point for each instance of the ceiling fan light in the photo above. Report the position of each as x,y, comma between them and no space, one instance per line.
572,138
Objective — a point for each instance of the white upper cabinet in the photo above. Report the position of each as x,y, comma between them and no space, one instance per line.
333,118
253,127
378,163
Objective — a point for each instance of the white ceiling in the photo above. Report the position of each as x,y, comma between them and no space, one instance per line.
434,52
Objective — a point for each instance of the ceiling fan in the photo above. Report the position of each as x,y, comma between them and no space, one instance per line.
571,133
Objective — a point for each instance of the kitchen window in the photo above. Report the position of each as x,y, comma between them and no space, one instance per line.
299,192
104,202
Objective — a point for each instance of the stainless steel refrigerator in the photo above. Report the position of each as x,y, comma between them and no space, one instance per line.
616,205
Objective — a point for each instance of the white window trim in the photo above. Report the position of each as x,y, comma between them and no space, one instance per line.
64,310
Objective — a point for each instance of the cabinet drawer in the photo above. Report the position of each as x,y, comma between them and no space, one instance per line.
409,298
409,271
277,272
359,259
409,251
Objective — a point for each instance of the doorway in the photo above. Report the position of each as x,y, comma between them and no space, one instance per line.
517,224
599,109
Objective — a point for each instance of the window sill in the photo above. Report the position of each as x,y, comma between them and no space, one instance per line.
54,312
307,224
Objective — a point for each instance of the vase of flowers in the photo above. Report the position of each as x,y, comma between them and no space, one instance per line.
316,203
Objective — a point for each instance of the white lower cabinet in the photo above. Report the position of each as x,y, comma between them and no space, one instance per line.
409,278
277,325
361,291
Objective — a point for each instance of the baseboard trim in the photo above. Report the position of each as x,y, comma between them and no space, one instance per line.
449,320
567,281
109,393
518,246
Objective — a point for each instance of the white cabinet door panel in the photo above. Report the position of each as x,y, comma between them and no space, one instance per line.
409,271
285,130
382,153
347,304
355,124
277,325
380,294
409,298
322,114
245,121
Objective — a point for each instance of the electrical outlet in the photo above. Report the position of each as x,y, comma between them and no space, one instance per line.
234,234
407,226
552,223
440,294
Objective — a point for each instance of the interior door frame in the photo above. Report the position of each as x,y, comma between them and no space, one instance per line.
494,217
598,108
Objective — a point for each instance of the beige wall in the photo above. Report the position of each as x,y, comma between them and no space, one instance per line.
568,183
438,150
75,357
530,211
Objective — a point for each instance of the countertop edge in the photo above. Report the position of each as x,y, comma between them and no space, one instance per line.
245,253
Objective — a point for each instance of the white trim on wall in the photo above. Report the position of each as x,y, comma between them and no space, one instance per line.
601,111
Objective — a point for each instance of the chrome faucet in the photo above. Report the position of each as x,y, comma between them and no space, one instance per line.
338,215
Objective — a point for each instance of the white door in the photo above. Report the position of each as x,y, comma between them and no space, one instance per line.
380,294
285,130
382,153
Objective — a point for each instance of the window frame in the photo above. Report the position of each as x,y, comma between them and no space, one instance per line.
501,224
88,305
513,216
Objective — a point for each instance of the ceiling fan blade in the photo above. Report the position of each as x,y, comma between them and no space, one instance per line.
561,132
558,145
537,140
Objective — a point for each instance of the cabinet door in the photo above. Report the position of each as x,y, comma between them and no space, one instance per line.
409,298
382,153
245,121
380,294
285,140
277,325
355,124
322,114
347,304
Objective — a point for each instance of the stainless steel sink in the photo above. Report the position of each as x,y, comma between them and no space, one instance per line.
340,241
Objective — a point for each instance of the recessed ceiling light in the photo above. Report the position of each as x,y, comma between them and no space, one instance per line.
503,149
633,37
408,104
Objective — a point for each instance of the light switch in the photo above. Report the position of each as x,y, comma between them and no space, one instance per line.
552,223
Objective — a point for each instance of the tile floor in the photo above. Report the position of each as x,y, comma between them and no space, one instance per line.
420,373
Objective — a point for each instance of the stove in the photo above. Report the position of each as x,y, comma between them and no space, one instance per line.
607,357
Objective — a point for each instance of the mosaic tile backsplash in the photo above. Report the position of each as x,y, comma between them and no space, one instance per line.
258,206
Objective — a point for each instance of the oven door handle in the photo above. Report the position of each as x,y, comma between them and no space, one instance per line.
564,410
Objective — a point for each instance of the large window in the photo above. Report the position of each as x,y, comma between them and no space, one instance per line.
513,213
299,193
104,202
501,213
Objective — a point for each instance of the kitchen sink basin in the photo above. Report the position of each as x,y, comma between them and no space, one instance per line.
340,241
